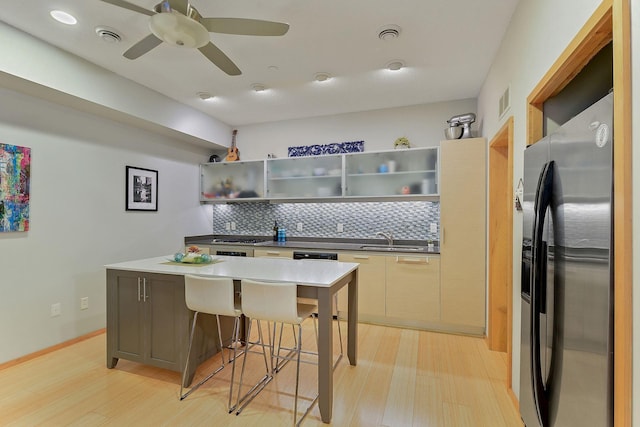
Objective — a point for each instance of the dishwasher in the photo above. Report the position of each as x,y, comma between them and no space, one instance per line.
323,256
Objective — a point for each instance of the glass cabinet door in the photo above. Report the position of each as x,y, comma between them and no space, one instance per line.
304,177
232,180
397,173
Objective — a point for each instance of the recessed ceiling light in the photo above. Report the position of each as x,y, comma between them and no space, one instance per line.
394,65
63,17
389,32
204,95
322,77
258,87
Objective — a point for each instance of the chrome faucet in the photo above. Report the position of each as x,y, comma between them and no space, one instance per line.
387,235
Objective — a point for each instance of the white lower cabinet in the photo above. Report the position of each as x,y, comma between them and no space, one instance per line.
413,288
397,290
371,286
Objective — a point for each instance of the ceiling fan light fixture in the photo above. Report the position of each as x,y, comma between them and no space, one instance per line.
63,17
179,30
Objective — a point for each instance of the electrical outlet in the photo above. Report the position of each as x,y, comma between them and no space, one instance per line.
299,226
84,303
433,228
227,226
233,225
56,309
340,227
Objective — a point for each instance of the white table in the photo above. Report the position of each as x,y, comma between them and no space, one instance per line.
318,280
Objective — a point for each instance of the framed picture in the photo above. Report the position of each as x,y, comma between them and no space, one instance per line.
142,189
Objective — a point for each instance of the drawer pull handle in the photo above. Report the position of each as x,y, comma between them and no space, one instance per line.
360,257
407,260
138,289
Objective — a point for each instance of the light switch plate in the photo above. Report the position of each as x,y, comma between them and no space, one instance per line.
299,226
227,226
340,227
433,227
233,225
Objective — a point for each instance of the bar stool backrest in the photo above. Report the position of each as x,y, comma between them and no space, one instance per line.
212,295
274,301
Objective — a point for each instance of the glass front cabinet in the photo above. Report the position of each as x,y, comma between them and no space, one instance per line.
226,181
399,173
410,174
305,177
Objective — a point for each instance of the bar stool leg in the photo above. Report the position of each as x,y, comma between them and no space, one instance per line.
186,367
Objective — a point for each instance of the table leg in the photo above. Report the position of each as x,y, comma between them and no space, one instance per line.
352,319
325,354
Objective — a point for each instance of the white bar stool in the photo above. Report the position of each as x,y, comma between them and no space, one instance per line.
214,296
273,302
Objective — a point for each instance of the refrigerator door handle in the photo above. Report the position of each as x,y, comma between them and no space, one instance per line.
538,294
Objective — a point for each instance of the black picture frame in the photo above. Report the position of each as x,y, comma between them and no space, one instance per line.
141,189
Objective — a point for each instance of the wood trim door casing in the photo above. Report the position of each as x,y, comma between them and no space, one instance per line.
610,22
594,35
622,214
499,329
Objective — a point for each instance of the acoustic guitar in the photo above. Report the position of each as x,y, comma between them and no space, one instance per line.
232,152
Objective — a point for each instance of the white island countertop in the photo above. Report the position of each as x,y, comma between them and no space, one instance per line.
312,272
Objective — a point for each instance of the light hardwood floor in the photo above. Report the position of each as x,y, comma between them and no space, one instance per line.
403,378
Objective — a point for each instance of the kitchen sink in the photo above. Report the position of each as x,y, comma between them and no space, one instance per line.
398,248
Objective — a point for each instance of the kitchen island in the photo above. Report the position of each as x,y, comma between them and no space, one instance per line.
132,284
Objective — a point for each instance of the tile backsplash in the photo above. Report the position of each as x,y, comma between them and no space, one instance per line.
407,220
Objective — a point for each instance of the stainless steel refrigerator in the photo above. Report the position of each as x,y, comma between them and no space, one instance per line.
566,353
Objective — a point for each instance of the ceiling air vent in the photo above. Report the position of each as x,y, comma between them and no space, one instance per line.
389,32
505,103
107,34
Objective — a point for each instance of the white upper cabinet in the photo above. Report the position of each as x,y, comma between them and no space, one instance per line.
238,181
410,174
406,173
304,177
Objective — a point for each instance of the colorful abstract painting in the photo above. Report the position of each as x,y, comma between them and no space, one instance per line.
15,172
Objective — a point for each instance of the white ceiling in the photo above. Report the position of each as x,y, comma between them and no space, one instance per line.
447,46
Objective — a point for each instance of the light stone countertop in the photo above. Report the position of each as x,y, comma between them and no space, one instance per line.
309,272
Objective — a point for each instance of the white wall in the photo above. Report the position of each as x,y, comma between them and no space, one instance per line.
78,220
538,33
423,125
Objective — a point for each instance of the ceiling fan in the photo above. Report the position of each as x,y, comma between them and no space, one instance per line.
178,23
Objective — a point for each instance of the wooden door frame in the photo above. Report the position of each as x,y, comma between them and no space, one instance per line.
500,263
610,22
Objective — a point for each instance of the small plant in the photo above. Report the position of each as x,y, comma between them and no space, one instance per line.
402,142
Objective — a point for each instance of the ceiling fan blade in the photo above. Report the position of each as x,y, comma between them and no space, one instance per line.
221,60
142,47
247,27
179,5
130,6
